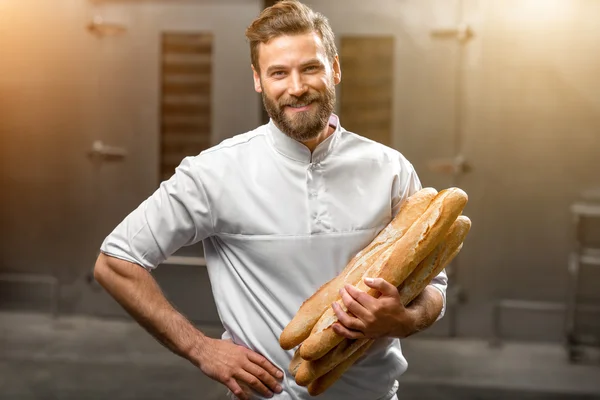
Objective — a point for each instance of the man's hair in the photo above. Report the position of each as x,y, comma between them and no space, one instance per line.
288,17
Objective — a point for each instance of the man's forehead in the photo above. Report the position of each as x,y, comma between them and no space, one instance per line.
288,47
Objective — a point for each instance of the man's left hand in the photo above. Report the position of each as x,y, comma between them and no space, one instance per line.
374,317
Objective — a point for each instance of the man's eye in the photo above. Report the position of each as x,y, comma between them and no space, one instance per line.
311,68
278,73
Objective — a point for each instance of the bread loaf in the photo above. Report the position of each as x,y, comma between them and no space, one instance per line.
429,268
299,328
320,385
295,363
442,256
394,264
317,372
308,371
311,370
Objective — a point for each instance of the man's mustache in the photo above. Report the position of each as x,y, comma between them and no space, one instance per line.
300,101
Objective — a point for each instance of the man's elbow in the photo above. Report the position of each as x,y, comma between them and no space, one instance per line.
110,269
102,269
440,302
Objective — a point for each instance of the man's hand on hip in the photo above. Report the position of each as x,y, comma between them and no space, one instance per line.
239,368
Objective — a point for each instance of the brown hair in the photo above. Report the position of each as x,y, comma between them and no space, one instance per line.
288,17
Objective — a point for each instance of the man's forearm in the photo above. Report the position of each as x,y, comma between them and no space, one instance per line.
138,293
425,308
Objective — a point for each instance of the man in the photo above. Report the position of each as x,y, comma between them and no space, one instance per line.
280,211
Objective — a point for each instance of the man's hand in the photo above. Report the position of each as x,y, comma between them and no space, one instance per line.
374,318
239,368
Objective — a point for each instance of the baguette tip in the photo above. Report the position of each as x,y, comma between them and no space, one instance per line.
457,192
285,342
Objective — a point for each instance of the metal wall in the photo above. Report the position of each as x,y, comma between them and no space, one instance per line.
501,99
518,101
64,86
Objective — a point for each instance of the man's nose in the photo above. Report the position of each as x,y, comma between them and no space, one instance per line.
297,86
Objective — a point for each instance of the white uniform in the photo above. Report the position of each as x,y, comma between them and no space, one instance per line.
276,223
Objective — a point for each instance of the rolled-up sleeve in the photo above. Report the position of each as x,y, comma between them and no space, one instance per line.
405,185
177,214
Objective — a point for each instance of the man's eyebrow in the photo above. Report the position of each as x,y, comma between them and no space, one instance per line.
312,61
275,68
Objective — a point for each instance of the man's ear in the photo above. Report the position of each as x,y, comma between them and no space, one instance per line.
337,70
256,76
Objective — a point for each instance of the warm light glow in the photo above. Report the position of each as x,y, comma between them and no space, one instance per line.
536,11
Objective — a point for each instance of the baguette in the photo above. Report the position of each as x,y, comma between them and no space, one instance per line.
323,383
411,288
308,371
311,370
295,363
422,275
394,264
429,268
299,328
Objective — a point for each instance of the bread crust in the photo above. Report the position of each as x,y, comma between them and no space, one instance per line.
436,261
308,371
299,328
394,264
295,363
319,375
323,383
429,268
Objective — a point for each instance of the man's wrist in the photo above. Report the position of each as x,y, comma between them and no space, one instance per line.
407,325
422,311
196,352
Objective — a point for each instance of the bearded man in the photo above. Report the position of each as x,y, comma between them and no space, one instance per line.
280,210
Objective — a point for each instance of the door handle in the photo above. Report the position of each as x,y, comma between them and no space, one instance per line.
450,166
108,153
463,32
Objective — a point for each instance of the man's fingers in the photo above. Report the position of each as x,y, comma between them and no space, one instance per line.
383,286
265,364
236,389
347,320
253,382
355,302
266,378
347,333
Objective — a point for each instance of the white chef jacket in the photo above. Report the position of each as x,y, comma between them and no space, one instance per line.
276,223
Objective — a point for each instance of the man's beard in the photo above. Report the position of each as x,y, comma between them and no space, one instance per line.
303,125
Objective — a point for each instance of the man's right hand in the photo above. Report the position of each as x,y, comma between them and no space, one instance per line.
237,367
138,293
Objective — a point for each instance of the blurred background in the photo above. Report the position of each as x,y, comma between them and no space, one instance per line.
100,100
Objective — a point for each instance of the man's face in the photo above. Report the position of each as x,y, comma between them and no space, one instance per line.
297,84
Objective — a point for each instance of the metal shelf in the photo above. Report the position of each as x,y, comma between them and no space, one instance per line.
581,256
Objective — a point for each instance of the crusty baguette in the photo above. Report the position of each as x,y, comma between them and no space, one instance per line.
394,264
308,371
311,310
443,255
427,269
321,384
313,371
295,363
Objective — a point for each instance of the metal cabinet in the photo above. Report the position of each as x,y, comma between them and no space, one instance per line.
586,254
